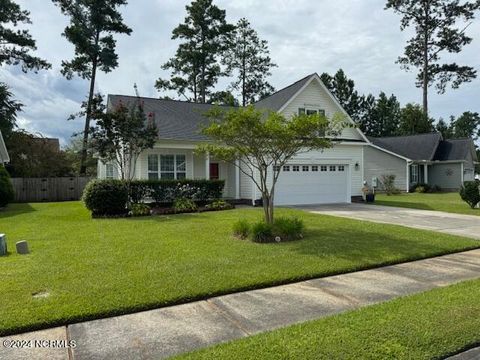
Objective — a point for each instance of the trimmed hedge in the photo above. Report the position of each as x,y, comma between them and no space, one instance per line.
106,197
166,191
6,187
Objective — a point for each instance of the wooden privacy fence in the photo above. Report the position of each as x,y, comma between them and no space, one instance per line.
49,189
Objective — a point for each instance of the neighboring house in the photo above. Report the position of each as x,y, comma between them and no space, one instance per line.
421,159
329,176
4,158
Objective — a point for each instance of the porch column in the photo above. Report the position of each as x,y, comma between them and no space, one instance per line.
408,177
207,166
425,173
237,179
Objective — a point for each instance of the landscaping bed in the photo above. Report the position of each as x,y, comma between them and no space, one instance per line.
87,268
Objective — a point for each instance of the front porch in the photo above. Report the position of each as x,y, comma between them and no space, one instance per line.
183,163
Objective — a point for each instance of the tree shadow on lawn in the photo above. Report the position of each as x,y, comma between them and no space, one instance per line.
404,204
15,209
364,249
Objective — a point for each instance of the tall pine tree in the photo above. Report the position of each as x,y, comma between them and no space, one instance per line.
249,57
16,45
196,66
385,116
91,29
436,33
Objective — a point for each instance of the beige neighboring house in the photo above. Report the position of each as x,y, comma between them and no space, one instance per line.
4,158
421,159
334,175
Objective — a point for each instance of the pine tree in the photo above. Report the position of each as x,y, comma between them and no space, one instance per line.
436,32
16,45
91,29
385,116
196,65
8,111
413,120
249,57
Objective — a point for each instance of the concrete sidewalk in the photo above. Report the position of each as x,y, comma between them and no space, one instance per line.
165,332
454,224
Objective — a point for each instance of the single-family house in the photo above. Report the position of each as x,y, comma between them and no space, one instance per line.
329,176
4,158
420,159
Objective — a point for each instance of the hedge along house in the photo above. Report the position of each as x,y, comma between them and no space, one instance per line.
4,158
333,175
421,159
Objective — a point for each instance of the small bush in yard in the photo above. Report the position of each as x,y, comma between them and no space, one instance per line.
388,182
219,205
262,233
241,229
106,197
184,205
470,193
6,187
140,210
288,229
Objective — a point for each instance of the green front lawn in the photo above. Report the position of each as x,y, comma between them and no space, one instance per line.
82,269
431,325
448,202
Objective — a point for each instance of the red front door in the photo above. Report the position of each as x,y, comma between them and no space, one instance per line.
214,173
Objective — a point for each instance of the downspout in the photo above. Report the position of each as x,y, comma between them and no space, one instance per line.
408,176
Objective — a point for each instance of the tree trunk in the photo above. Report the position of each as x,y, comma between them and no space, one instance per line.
425,80
268,209
244,75
83,159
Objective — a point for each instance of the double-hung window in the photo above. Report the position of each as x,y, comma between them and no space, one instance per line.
153,167
109,171
167,167
414,174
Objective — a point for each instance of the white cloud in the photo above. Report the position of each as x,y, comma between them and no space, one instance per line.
305,36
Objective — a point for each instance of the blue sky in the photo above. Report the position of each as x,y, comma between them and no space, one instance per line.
304,36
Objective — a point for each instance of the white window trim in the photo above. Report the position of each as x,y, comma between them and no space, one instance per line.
159,166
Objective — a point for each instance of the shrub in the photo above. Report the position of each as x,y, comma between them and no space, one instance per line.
106,197
184,205
140,210
241,229
219,205
166,191
262,232
388,182
288,229
470,193
435,189
421,188
6,187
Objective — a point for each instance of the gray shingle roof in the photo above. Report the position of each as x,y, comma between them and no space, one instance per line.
181,120
457,149
414,147
275,101
175,120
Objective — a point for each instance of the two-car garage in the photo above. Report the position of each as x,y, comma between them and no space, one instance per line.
302,184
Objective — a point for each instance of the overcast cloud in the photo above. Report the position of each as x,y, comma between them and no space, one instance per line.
305,36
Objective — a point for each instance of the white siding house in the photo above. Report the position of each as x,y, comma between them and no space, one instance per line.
329,176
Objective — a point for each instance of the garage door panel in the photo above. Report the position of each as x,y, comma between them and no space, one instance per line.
312,187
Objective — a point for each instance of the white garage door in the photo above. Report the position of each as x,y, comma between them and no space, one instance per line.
312,184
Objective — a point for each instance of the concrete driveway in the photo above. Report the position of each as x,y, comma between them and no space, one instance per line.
455,224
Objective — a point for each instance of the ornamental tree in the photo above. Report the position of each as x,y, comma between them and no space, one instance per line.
260,143
122,134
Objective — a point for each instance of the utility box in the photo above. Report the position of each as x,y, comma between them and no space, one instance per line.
374,182
3,245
